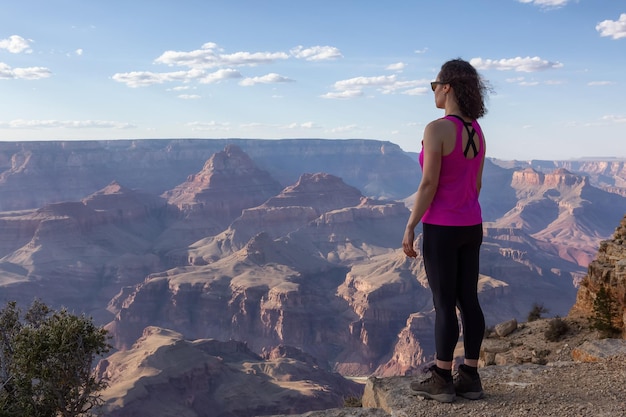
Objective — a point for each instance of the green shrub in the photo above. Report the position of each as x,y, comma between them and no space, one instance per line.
352,402
604,313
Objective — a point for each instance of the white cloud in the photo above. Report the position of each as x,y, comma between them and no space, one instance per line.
189,96
358,83
212,125
616,29
419,91
306,125
343,129
402,85
210,56
524,82
529,83
515,80
79,52
15,44
615,118
29,73
386,84
547,4
66,124
136,79
519,64
220,75
265,79
343,94
600,83
398,66
316,53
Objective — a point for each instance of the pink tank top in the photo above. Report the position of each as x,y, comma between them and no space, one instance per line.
456,200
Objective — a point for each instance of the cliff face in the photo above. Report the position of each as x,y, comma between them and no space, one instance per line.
608,270
556,207
609,174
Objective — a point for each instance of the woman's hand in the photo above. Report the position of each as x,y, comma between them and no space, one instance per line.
407,242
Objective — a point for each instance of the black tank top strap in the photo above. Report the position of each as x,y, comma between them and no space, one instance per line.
470,134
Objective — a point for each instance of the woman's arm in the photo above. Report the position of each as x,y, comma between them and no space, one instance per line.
433,150
479,177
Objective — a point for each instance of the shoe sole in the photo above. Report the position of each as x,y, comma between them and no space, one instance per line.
442,398
472,395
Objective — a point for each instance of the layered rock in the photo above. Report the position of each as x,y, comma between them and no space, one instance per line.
381,293
283,291
294,207
354,234
608,174
124,205
268,293
211,199
165,374
373,316
78,254
228,183
608,270
557,208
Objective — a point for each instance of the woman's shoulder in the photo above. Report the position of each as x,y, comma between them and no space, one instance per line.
441,126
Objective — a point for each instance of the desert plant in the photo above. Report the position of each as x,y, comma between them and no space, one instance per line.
604,313
352,402
557,328
536,312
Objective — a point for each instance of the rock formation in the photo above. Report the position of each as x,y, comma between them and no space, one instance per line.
295,206
208,201
228,183
164,374
555,207
79,254
607,270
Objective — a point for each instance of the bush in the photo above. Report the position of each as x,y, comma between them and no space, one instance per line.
557,328
536,312
352,402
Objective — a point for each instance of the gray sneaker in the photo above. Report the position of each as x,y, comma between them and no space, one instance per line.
467,386
435,387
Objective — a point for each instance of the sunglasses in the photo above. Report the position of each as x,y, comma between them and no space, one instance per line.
433,84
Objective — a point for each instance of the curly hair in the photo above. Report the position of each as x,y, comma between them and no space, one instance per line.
469,87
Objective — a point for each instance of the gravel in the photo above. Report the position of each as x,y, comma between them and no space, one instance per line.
557,389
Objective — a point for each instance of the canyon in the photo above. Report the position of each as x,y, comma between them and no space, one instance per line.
290,243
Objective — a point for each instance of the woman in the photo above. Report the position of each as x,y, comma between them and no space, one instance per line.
452,159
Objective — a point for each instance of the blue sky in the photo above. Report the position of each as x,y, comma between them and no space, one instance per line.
80,70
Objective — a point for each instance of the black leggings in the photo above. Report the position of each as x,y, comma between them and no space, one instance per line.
451,259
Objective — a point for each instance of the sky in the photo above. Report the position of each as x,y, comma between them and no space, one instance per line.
340,69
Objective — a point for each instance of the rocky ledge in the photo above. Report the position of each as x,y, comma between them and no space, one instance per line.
578,375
